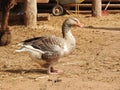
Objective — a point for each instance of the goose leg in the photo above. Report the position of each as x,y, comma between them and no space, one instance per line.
52,71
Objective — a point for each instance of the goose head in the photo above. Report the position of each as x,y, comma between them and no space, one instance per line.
67,24
72,22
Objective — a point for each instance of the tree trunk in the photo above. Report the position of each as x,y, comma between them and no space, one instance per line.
5,35
5,17
31,13
96,8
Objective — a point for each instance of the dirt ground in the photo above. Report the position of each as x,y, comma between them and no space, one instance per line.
93,65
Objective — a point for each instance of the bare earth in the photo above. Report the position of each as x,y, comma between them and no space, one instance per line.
93,65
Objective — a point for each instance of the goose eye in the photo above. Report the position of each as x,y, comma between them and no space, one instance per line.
76,21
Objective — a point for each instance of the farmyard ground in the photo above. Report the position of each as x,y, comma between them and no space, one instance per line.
93,65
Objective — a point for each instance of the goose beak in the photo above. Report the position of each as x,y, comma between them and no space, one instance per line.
79,25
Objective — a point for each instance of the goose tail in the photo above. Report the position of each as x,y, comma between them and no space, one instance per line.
20,44
21,47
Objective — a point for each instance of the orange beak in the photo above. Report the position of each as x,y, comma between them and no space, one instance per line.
79,24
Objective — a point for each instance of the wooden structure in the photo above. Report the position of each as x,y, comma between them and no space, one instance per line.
30,17
114,6
96,8
38,1
30,13
84,8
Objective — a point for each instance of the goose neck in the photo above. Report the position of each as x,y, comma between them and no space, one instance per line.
66,31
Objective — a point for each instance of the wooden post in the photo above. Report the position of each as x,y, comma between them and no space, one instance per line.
31,13
96,8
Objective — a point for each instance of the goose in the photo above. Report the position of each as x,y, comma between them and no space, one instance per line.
51,48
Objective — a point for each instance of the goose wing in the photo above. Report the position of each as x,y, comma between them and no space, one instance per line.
46,43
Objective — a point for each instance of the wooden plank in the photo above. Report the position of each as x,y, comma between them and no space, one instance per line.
89,11
42,1
91,0
45,16
46,1
38,1
19,19
90,5
103,1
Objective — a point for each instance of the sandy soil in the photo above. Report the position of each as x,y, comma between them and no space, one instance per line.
93,65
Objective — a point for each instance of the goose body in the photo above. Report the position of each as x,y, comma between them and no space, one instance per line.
51,48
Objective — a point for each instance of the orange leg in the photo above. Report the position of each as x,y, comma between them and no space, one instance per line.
52,71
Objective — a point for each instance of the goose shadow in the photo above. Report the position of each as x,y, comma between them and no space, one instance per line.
19,71
104,28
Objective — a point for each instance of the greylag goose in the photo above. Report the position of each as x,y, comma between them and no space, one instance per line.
50,48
